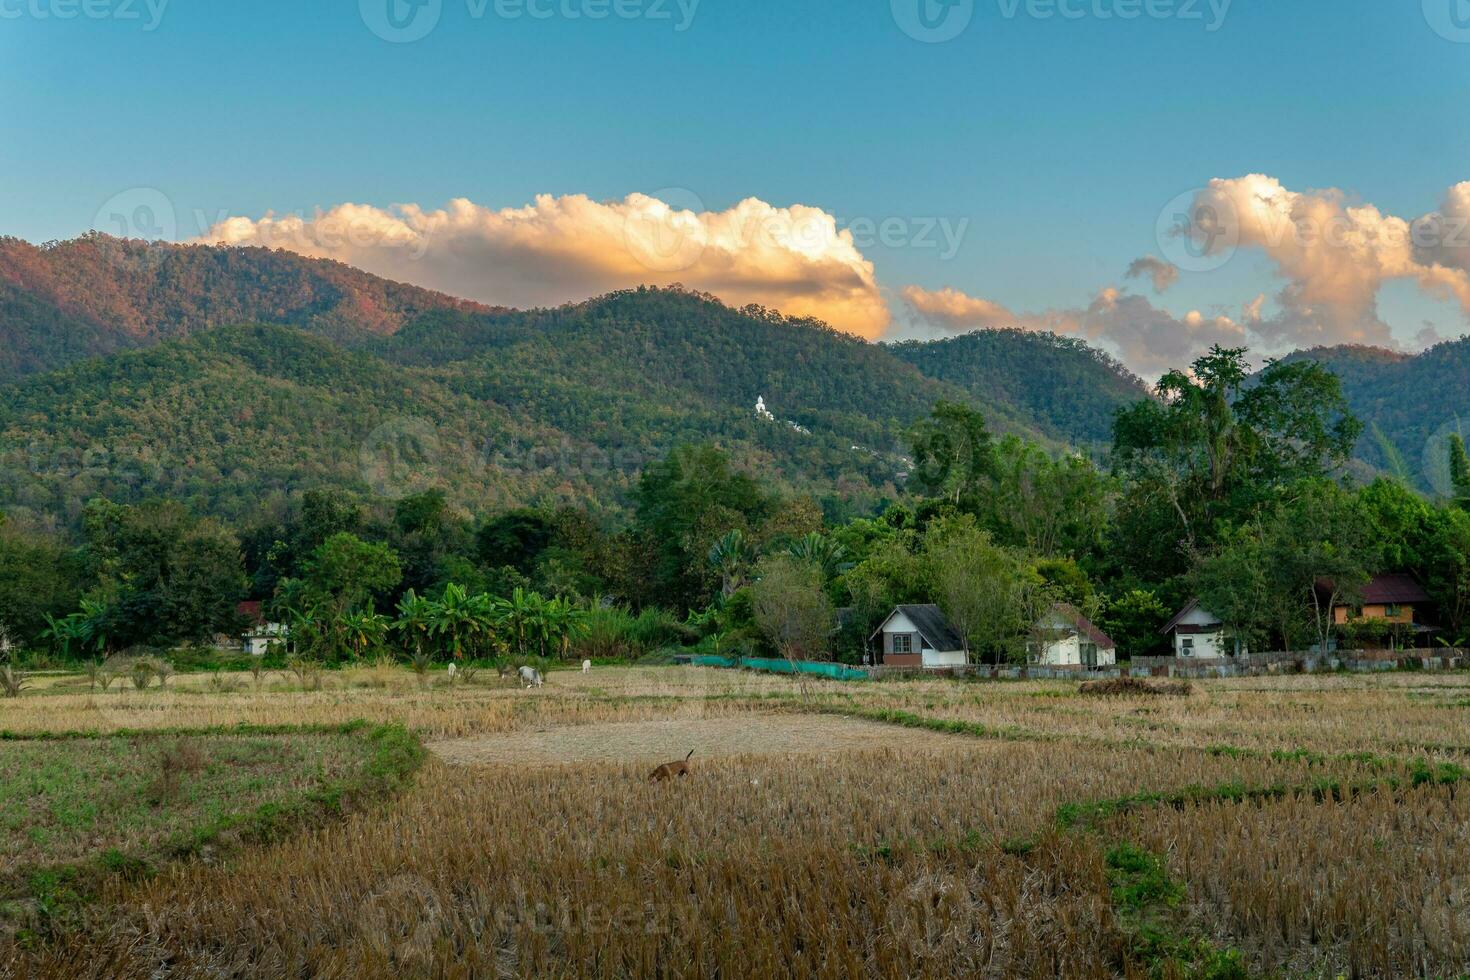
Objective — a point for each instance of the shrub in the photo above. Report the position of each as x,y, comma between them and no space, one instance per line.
12,681
1132,686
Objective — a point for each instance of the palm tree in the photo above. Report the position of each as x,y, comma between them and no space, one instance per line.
731,556
64,632
826,555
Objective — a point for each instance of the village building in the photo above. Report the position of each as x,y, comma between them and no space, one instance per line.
1066,638
1198,634
259,633
920,636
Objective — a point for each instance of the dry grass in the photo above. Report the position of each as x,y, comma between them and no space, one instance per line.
811,844
1132,687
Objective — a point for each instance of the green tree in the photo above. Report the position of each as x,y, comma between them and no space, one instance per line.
685,503
731,556
167,575
1459,471
1217,445
954,455
990,594
348,573
791,608
1133,620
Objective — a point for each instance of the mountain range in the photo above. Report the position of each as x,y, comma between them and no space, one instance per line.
236,377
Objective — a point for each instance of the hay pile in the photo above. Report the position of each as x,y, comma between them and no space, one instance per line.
1132,687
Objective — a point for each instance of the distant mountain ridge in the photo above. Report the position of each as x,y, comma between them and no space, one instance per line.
96,295
233,377
1410,404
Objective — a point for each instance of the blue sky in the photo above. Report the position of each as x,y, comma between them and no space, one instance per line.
1057,140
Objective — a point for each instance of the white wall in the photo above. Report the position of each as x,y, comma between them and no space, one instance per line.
930,657
1206,645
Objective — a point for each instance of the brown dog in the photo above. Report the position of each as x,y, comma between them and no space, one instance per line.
671,769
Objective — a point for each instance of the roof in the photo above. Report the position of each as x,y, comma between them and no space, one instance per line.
1189,607
253,611
1085,626
1386,589
932,626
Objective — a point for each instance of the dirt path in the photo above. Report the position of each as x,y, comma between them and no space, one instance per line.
660,741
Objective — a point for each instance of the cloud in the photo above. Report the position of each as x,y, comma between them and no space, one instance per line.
560,249
1163,274
1334,255
1148,339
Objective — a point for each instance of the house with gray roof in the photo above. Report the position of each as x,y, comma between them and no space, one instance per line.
920,636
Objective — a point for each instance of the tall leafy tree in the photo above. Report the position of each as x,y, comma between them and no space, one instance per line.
1218,445
167,574
1459,471
954,454
686,502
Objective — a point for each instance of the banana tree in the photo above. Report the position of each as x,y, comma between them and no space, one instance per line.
415,621
363,631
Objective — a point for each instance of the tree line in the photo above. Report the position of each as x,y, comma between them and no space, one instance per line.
1223,485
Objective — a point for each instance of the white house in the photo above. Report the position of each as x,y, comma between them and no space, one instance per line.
259,634
1199,635
1066,638
920,636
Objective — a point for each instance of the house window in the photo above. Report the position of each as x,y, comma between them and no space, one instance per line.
1186,647
1391,610
903,643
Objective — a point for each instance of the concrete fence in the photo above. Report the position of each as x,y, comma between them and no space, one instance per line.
1251,665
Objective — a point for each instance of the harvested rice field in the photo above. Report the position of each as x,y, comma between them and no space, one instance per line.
654,742
1285,826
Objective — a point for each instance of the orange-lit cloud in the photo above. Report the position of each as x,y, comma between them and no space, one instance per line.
1336,256
560,249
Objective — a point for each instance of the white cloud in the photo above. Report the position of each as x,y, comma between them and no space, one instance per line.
1335,256
561,249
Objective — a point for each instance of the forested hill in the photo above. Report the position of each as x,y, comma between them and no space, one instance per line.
93,295
233,376
1061,384
1409,405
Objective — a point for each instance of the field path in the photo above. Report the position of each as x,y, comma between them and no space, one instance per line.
660,741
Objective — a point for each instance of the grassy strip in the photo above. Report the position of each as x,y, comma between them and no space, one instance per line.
241,728
1085,816
396,754
1146,899
949,726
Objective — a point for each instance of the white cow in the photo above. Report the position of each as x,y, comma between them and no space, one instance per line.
586,666
452,671
531,676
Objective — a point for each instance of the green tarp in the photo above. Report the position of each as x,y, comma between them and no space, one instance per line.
838,672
